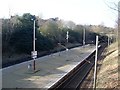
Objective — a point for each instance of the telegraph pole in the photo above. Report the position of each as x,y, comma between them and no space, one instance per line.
95,67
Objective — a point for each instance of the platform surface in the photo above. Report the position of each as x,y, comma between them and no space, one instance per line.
50,69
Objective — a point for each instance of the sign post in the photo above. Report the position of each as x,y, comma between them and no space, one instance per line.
34,55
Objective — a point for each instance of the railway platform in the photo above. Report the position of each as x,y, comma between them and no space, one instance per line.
50,69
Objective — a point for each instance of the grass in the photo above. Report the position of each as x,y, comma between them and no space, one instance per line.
107,77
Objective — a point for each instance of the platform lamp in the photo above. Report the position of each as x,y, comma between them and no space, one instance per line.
34,53
84,37
67,37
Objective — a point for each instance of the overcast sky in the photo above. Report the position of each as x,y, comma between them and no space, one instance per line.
79,11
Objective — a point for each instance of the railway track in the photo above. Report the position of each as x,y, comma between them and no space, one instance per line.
75,78
87,84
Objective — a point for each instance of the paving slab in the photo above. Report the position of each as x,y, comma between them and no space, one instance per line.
50,69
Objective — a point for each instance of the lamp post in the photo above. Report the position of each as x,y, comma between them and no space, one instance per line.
34,53
34,44
67,36
83,36
34,36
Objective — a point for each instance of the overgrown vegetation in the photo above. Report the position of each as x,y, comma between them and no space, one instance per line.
107,77
17,33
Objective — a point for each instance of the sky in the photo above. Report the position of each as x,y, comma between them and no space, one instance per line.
92,12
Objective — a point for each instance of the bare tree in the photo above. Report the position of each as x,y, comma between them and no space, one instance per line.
115,7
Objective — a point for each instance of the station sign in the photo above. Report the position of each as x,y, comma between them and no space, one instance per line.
34,54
